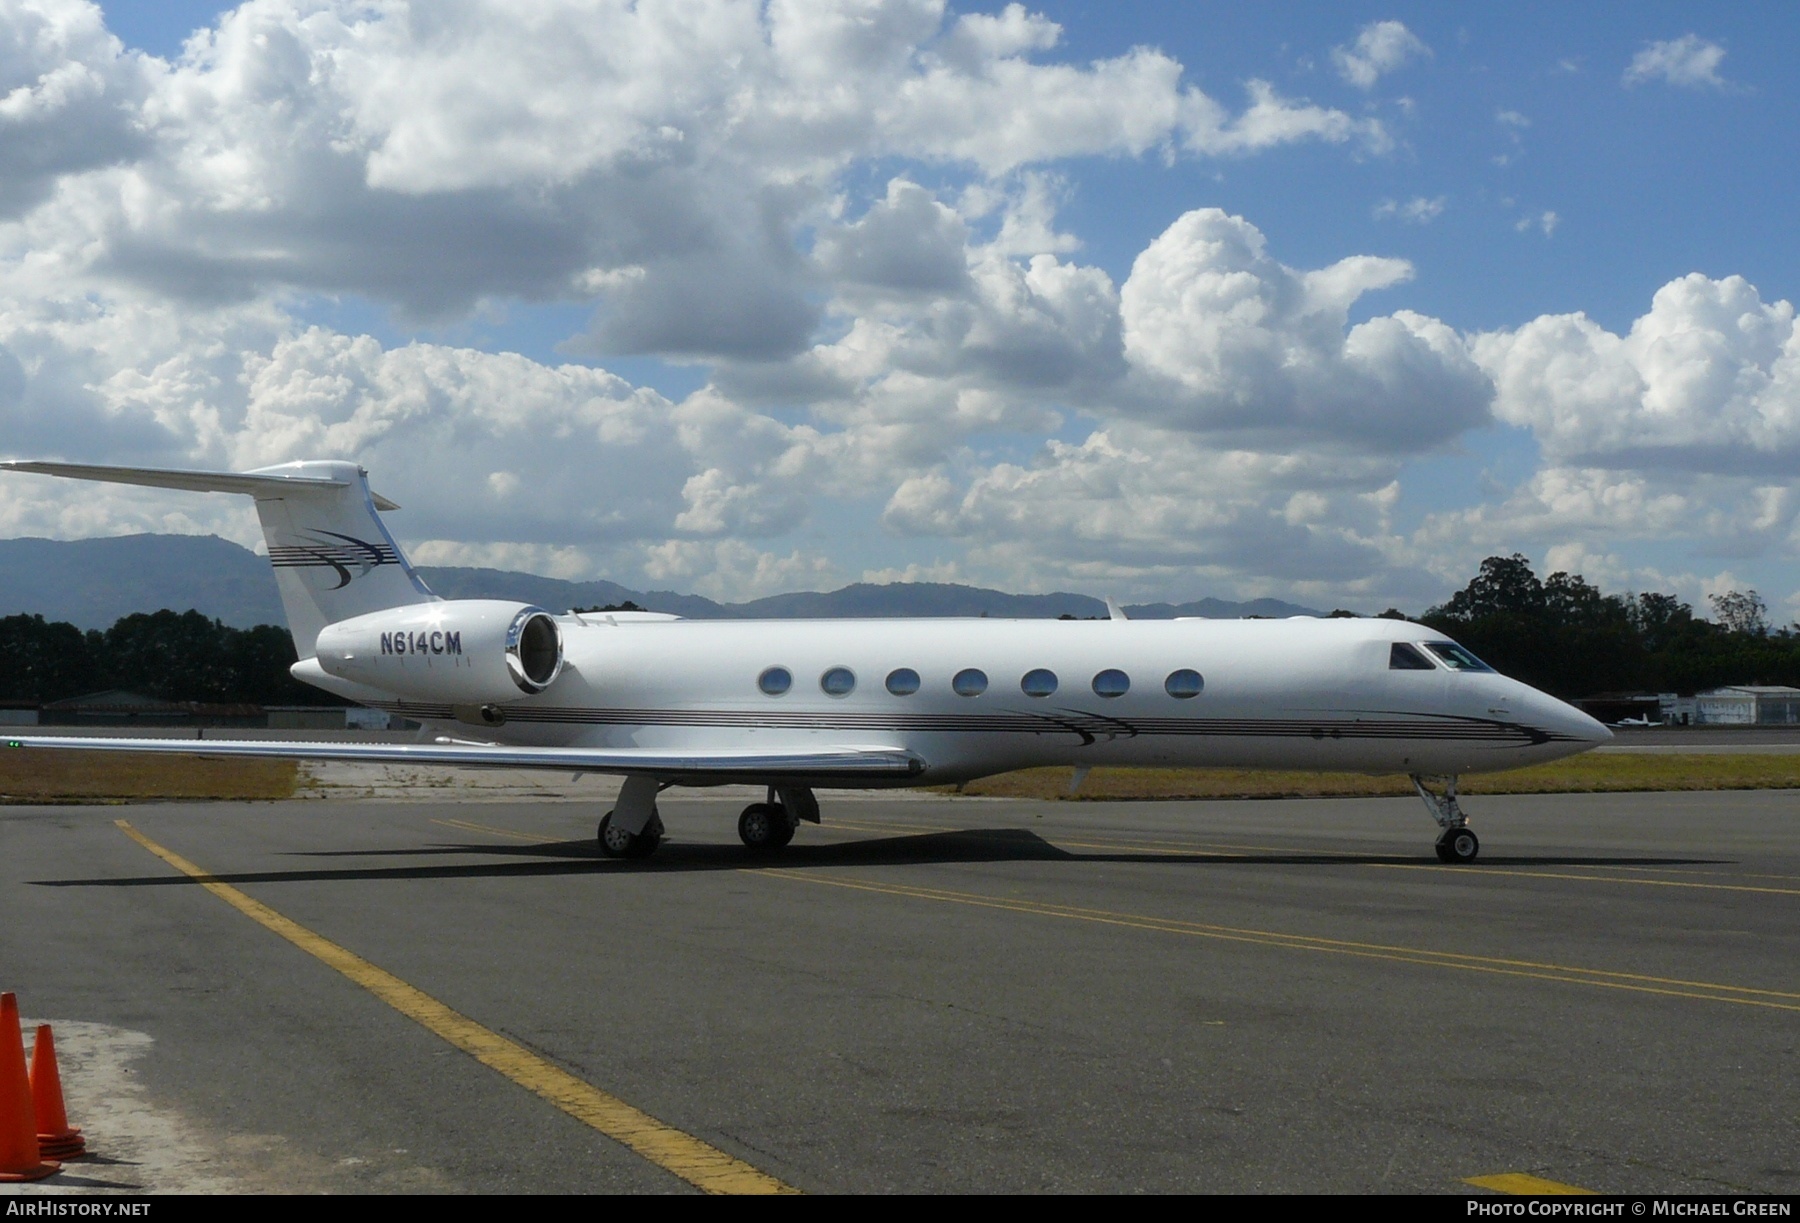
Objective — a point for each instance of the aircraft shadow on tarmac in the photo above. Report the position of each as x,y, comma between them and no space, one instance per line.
583,857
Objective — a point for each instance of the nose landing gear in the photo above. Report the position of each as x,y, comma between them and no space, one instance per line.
1457,844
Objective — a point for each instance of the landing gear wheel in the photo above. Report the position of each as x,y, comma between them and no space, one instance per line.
765,827
617,843
1458,845
784,828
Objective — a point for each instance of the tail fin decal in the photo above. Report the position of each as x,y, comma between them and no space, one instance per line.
332,555
336,551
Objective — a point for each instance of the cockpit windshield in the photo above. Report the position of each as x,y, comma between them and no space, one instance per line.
1455,657
1403,657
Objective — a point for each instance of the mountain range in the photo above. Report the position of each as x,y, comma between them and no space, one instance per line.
93,582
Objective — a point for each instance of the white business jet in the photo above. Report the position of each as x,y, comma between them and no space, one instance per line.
794,705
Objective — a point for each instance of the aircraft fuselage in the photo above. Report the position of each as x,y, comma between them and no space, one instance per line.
1293,694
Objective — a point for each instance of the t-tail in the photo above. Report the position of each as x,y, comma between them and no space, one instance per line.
333,557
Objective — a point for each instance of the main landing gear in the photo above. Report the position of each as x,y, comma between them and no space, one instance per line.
1457,844
615,842
765,827
768,826
633,829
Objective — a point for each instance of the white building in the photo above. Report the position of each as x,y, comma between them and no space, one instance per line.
1748,705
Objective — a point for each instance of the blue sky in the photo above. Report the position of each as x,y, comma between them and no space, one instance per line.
1158,300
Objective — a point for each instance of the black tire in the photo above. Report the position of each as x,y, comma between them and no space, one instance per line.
1459,846
629,845
785,827
646,842
765,827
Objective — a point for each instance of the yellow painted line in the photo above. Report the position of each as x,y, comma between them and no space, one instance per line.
698,1163
891,829
1642,883
1486,870
1523,1184
467,826
1601,978
1684,870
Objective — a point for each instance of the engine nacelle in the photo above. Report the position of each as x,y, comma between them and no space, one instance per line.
464,651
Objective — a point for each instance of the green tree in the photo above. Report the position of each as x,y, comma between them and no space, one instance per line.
1561,634
1506,586
1740,611
45,661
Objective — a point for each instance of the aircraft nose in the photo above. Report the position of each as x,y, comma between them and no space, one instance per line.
1566,720
1592,729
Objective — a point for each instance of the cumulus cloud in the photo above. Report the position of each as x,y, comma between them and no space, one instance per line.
1133,505
1230,339
1708,380
492,454
906,243
1690,62
1565,504
1272,120
1381,47
664,159
1209,336
69,93
1594,520
733,570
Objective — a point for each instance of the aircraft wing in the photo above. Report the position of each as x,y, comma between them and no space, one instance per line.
758,766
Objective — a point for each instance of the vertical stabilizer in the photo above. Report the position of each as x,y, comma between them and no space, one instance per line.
332,555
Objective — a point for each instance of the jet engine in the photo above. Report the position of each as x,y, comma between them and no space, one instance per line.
462,651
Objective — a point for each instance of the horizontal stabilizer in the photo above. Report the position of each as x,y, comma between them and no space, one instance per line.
756,766
265,483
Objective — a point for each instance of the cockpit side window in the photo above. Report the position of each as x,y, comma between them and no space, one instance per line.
1455,657
1403,657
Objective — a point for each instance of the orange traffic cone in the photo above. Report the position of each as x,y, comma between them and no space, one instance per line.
57,1139
19,1157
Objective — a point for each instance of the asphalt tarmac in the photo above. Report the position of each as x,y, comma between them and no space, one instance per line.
941,995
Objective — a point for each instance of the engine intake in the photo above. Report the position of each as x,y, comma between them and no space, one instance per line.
463,651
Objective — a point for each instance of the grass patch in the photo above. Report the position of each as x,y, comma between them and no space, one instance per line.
1594,773
46,775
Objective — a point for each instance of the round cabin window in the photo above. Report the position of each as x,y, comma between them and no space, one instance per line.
1112,682
903,681
970,682
1183,684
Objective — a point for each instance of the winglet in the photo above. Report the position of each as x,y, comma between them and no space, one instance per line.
1114,611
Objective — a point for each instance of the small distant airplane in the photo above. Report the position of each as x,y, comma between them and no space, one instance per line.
1645,720
797,705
